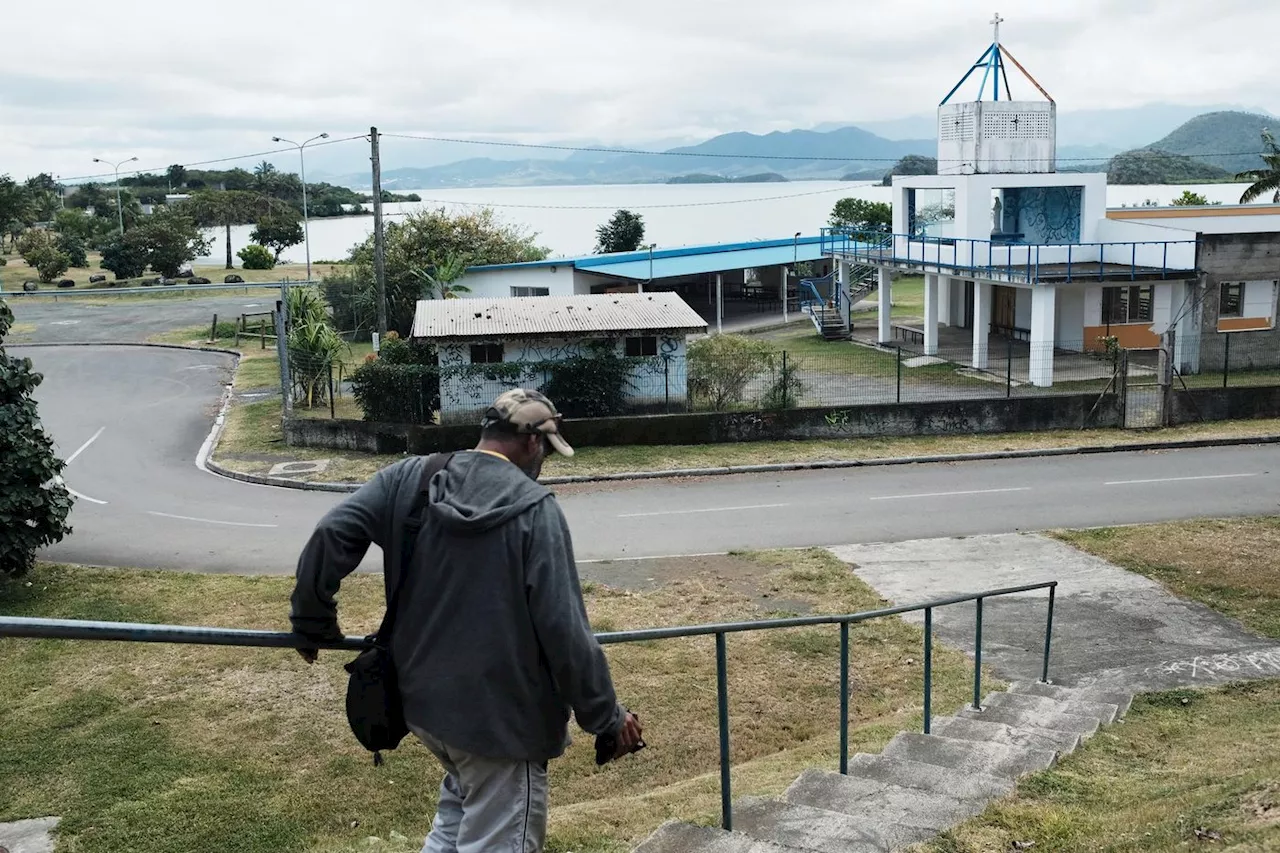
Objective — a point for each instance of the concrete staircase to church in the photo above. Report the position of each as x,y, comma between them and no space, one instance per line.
917,786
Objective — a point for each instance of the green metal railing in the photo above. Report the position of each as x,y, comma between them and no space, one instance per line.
74,629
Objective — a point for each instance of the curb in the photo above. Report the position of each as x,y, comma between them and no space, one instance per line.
1132,447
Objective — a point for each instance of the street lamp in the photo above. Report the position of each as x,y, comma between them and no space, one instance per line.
306,229
651,247
116,167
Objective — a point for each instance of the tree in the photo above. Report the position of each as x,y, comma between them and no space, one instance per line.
255,257
438,281
213,208
126,256
624,232
278,231
1190,199
421,241
42,191
862,215
172,240
264,177
73,247
89,195
15,203
75,223
912,164
34,502
720,368
177,176
1265,180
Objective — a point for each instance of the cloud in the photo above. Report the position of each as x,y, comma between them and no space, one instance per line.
181,82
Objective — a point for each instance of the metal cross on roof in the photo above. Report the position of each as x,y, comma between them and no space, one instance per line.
996,22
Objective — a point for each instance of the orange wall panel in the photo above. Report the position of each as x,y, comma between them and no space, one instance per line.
1129,336
1243,324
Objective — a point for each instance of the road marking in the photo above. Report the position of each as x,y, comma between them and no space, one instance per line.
85,497
1179,479
210,520
691,511
949,494
84,447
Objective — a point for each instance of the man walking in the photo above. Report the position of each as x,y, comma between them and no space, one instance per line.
491,647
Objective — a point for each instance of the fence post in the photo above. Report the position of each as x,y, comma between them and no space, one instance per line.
666,381
722,706
213,329
262,331
332,411
928,669
1226,360
1008,367
784,379
282,354
844,698
899,398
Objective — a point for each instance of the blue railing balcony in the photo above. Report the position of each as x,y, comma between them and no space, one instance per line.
1028,263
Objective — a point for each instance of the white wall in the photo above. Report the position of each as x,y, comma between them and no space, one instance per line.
1093,305
1259,300
973,198
1155,253
495,284
1242,224
1161,308
1022,308
1070,314
466,393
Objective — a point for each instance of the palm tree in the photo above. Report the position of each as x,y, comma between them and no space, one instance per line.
1264,180
212,208
437,281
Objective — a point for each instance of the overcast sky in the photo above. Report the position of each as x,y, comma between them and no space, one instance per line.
180,82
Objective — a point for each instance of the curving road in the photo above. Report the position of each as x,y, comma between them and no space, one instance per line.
132,421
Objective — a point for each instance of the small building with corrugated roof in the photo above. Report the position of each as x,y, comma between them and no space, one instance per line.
576,349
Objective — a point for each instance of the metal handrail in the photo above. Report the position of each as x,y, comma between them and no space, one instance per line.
76,629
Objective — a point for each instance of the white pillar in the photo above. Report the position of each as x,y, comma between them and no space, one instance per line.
786,274
931,315
981,322
719,303
885,306
841,288
1044,300
944,300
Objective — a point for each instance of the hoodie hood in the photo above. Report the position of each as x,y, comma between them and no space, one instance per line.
477,492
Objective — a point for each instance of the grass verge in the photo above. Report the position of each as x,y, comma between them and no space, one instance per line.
16,271
1188,770
1230,565
168,748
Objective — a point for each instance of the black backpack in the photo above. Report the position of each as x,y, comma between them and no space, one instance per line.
375,709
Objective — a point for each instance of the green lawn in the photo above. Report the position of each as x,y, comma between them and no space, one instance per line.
15,272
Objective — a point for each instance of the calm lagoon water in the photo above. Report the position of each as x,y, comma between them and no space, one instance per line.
565,218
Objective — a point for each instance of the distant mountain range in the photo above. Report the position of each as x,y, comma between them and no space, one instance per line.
1209,146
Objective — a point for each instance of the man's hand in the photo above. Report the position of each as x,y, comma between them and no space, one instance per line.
309,655
629,736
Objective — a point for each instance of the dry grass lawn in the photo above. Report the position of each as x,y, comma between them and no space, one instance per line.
167,748
1231,565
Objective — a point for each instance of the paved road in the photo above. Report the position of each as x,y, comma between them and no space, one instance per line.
134,419
81,319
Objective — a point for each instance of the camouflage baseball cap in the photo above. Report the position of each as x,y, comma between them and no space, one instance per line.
529,412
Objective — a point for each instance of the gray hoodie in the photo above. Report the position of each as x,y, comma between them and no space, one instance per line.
491,644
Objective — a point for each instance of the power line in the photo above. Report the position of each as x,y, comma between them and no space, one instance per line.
796,157
629,206
208,162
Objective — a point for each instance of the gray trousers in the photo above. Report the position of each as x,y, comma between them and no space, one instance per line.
487,805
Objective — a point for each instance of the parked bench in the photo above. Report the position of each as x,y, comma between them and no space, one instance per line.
908,333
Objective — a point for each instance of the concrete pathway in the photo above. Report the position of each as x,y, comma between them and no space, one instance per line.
28,836
1106,620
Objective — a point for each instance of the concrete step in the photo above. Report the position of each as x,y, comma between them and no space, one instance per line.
928,777
807,827
1105,713
964,728
1021,718
995,759
1122,700
894,813
675,837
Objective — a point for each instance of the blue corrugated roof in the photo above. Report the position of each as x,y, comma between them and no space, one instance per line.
687,260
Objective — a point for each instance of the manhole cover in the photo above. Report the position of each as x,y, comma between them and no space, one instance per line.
314,466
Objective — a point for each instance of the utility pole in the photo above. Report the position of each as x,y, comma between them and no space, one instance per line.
379,259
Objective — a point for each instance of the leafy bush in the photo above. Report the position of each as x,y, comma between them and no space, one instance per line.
3,262
397,393
125,256
721,366
73,247
49,262
593,386
34,502
313,346
255,257
33,240
786,389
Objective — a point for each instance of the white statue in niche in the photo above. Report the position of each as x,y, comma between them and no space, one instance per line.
997,217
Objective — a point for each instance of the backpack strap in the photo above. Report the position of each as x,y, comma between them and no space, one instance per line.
412,527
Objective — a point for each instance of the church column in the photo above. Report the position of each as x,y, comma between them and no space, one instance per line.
981,322
885,305
931,315
1044,300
